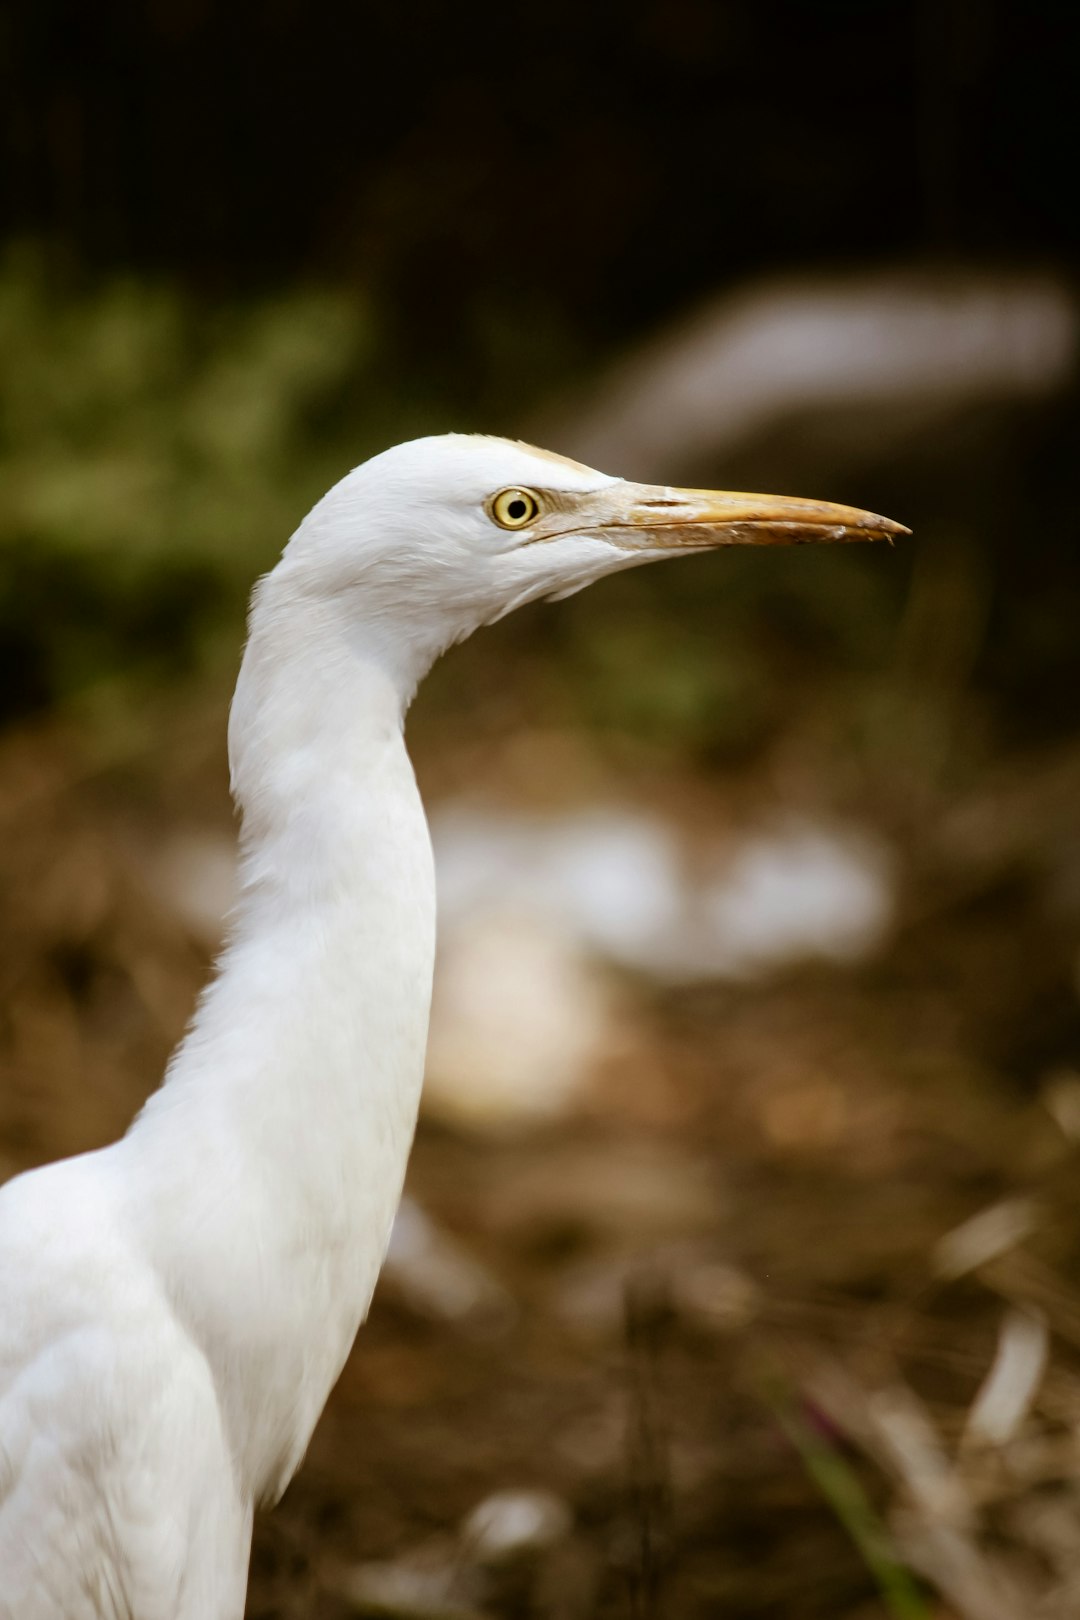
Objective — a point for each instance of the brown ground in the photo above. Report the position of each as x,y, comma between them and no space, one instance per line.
741,1355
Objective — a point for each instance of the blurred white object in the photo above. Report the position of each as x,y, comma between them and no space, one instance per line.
423,1586
716,1295
621,883
800,891
611,875
513,1524
744,363
523,1014
520,1016
1012,1382
438,1277
915,1450
1060,1096
990,1233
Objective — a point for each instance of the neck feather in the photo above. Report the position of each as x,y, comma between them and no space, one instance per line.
272,1158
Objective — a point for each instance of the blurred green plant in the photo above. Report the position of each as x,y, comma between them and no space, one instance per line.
709,657
154,454
842,1489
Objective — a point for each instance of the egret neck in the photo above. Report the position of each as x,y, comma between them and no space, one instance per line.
271,1162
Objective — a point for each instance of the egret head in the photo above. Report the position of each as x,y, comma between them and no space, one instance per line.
429,540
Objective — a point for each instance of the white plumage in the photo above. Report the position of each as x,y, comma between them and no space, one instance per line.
175,1309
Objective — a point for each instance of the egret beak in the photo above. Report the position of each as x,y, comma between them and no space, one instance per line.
643,517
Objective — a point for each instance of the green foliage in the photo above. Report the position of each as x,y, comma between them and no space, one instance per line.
708,657
154,454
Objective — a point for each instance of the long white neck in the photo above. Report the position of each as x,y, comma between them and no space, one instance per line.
270,1164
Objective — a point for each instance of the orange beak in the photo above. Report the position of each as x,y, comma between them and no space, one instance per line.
646,516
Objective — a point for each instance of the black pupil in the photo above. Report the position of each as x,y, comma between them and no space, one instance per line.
517,509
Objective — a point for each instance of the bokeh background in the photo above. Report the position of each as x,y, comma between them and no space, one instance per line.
738,1272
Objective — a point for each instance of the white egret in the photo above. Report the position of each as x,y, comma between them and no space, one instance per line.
175,1308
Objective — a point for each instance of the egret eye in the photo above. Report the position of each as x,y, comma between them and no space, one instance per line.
514,508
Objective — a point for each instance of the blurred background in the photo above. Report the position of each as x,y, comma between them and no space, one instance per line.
738,1269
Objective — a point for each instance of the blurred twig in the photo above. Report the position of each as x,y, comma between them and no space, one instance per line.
646,1310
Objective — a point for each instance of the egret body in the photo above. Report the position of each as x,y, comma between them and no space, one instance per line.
175,1308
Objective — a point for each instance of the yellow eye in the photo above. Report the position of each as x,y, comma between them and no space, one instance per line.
514,508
